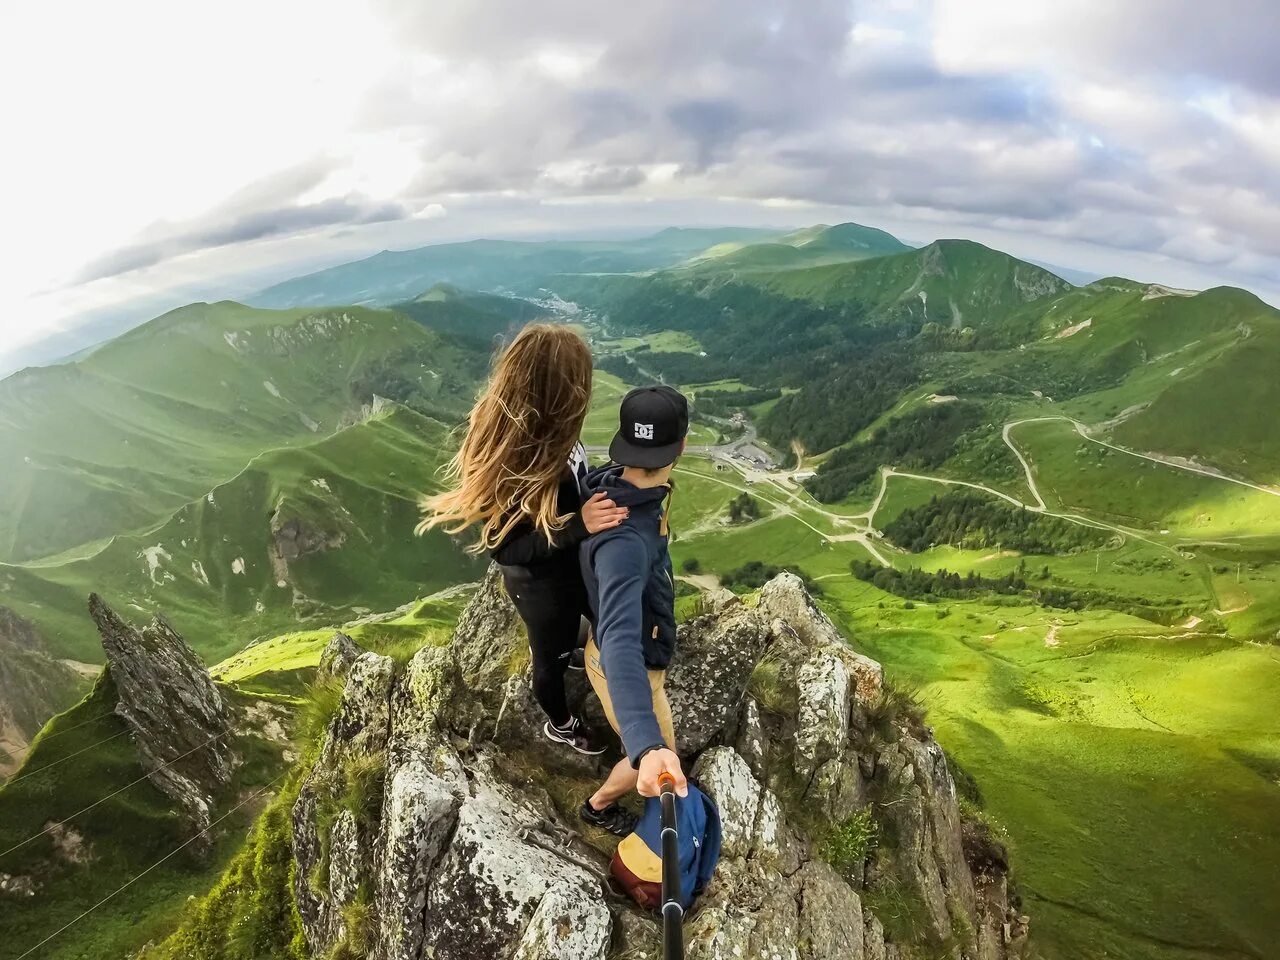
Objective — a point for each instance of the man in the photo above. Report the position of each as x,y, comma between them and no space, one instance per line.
631,596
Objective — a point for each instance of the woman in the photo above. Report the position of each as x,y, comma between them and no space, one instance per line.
516,478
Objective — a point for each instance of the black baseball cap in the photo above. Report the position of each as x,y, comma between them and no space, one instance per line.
652,423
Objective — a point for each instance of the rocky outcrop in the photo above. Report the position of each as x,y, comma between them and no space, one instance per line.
293,537
433,823
177,720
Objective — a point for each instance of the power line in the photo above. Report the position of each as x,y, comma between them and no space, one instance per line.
114,793
82,723
134,880
69,756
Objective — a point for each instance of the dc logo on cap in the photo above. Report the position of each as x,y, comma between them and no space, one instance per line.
644,431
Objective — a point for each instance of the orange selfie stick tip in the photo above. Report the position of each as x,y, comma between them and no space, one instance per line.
665,778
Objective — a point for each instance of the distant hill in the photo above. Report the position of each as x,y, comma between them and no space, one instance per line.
509,265
469,313
811,246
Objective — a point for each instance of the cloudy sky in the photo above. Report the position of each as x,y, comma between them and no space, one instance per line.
155,154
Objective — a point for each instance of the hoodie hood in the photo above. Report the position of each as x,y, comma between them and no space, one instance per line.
608,479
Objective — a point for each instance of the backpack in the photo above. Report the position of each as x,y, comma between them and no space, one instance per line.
637,863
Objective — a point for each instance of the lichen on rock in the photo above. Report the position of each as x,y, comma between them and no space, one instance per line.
473,850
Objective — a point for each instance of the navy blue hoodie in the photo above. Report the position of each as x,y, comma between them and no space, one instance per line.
631,592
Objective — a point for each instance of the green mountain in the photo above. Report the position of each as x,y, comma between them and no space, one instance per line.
1053,509
300,536
952,283
394,276
118,440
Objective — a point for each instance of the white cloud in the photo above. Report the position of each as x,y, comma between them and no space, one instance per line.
166,152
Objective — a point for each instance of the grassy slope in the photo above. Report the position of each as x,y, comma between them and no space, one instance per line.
125,834
130,831
122,438
362,485
1135,766
1109,758
1083,476
1223,413
964,284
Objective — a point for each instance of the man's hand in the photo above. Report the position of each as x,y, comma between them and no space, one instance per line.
655,763
601,513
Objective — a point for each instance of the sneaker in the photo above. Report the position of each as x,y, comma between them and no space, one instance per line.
574,734
612,818
578,659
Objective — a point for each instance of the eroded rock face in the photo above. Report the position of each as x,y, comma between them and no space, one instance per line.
462,858
715,655
333,828
33,687
177,719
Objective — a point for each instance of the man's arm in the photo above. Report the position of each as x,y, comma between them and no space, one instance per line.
621,565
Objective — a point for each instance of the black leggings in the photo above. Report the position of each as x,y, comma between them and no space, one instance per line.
552,613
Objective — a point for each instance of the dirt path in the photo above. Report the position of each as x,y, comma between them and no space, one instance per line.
706,582
1026,465
786,510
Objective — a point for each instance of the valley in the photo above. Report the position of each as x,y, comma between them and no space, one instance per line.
1053,511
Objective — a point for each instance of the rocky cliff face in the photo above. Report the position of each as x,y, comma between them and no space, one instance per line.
177,719
33,687
436,823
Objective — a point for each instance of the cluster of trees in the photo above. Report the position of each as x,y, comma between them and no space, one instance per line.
743,509
832,409
967,518
942,584
722,403
754,575
921,439
459,365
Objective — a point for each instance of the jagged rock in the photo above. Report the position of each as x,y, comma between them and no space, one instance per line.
715,655
753,821
467,859
785,598
419,815
178,722
565,928
294,538
338,657
726,779
357,735
636,935
822,685
488,640
873,939
492,883
19,631
926,818
750,742
831,925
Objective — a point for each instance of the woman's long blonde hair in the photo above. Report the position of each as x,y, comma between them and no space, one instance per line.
519,436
